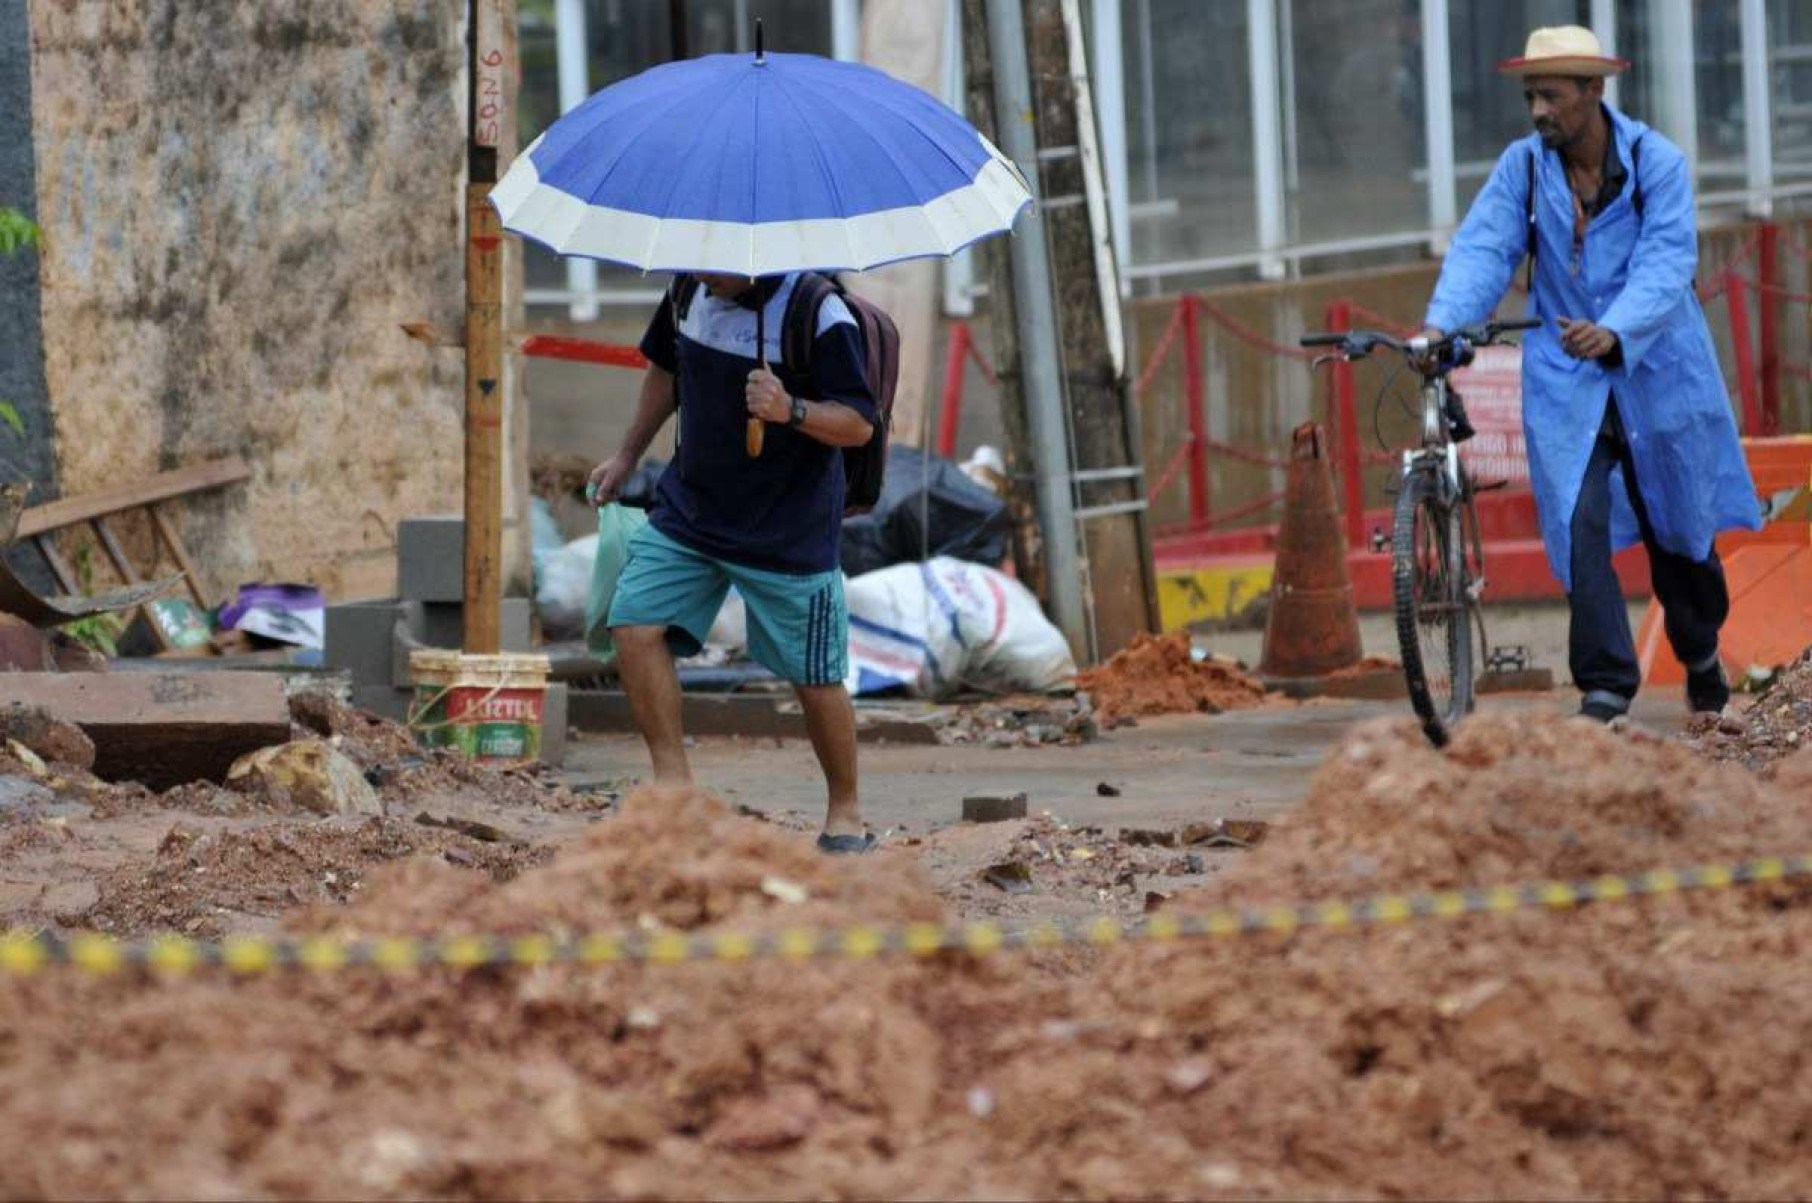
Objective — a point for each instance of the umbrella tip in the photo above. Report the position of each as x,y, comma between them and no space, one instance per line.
761,55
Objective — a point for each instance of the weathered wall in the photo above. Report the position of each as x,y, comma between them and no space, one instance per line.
242,199
25,454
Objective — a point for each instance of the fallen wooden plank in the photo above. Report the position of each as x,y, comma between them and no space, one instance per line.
68,511
162,729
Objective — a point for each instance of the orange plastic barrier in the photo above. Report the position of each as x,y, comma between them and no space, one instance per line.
1769,572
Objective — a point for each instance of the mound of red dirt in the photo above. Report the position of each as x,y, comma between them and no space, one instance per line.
1639,1049
1156,674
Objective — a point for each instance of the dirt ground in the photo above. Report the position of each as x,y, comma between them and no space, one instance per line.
1637,1049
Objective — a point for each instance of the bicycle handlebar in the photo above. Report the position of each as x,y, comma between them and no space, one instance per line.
1357,344
1431,357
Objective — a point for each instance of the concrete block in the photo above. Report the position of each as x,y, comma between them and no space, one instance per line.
553,725
361,638
443,624
993,808
431,558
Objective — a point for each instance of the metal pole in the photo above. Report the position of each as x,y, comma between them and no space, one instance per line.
1676,94
846,30
1437,121
1758,118
1109,71
1604,24
1036,312
1267,133
575,85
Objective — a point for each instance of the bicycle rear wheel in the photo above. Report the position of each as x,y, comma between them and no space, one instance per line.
1433,607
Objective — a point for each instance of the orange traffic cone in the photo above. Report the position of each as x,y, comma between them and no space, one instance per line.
1312,628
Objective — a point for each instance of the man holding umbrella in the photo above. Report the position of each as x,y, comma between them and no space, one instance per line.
740,171
768,524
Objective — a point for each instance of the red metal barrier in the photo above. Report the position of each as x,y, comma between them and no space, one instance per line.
1736,295
1768,273
1194,397
1345,421
950,408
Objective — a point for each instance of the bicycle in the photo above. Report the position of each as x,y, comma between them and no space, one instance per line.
1437,556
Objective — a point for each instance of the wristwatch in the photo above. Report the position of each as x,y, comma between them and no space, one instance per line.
798,418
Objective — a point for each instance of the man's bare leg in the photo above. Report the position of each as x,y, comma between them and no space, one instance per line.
645,664
830,719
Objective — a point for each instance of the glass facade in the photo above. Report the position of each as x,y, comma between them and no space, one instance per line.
1790,89
1342,81
1353,171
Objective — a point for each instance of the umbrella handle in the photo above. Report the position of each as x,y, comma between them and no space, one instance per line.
756,431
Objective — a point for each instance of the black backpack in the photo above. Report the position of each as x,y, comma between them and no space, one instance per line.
864,466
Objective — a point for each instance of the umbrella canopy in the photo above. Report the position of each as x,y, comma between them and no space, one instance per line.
760,164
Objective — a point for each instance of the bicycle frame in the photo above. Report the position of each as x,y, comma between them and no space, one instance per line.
1435,440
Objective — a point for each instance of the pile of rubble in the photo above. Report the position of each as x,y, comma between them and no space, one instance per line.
1023,721
1159,674
1043,868
1776,723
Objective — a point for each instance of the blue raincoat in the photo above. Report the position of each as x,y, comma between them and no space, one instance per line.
1635,278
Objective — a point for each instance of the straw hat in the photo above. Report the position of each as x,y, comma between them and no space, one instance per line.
1563,50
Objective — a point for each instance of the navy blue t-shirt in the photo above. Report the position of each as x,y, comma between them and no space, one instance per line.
782,510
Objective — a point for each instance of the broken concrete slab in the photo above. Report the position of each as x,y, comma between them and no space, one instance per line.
162,729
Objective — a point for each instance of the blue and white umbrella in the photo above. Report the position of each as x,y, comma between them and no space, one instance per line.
757,164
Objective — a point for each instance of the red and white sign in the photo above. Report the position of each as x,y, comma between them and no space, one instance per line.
1492,389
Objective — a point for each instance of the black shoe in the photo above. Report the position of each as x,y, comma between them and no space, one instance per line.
1708,690
1600,712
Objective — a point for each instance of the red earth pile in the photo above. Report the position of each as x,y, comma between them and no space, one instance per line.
1639,1049
1155,674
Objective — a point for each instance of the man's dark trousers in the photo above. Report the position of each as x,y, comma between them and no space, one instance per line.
1693,597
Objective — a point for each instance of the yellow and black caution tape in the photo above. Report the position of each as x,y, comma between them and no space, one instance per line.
27,952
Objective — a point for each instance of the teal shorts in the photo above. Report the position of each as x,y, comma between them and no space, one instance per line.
798,625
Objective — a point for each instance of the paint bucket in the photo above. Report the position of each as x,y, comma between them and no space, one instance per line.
488,707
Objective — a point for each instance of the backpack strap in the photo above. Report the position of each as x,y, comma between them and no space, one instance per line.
799,326
1636,174
1529,221
1636,200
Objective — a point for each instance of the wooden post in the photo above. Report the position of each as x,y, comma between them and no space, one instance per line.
486,117
1110,487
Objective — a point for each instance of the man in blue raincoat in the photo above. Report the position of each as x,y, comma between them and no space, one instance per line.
1625,413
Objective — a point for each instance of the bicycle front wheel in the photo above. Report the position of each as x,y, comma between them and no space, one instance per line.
1433,606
